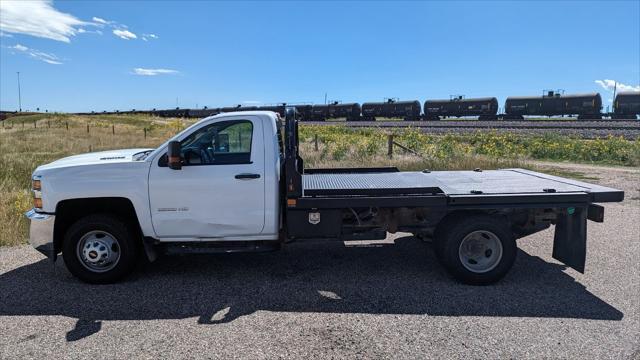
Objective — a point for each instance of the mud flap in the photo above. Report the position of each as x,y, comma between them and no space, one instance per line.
570,239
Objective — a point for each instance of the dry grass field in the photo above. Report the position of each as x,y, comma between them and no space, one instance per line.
28,141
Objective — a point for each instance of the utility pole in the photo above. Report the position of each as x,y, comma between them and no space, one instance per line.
325,98
19,95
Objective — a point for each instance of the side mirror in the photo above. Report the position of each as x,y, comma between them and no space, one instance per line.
173,156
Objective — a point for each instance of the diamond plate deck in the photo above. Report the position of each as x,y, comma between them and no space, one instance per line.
389,183
491,182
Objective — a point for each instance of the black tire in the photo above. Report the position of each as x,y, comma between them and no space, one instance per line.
126,247
453,230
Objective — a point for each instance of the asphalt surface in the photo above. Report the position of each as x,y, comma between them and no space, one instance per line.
381,300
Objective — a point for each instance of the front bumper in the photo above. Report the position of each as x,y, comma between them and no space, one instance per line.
41,232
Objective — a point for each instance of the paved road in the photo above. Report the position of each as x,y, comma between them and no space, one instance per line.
312,300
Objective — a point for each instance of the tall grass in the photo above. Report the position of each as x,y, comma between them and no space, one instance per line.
445,150
24,146
22,149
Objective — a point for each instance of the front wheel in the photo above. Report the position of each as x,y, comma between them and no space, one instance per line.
476,249
99,249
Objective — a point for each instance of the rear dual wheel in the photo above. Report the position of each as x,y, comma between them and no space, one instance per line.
476,249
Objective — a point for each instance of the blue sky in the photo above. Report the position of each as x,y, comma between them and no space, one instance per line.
81,56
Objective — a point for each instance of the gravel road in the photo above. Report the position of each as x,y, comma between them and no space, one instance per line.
312,300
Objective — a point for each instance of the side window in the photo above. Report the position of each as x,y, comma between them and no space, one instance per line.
236,138
221,143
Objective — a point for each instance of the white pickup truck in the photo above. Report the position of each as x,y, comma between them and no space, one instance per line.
235,182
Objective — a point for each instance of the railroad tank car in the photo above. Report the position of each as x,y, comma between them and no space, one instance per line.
237,108
484,108
280,109
304,111
408,110
172,113
586,106
626,105
350,111
203,113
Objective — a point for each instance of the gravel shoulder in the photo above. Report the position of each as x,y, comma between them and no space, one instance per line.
383,299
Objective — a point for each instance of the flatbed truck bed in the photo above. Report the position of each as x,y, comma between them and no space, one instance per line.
366,203
477,184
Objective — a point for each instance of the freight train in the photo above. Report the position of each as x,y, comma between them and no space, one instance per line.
586,106
550,104
626,106
407,110
458,106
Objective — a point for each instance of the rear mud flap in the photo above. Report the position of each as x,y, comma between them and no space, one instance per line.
570,240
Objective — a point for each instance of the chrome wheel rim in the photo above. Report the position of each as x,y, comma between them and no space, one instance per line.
480,251
98,251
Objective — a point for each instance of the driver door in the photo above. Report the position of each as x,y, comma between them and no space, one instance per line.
219,192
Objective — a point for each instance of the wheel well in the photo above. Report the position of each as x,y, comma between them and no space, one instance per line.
453,217
70,211
519,221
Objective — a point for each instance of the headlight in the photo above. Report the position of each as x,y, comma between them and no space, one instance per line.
36,188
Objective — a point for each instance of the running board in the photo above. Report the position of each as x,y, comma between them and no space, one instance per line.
220,247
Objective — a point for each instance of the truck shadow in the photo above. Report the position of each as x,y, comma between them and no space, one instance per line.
400,279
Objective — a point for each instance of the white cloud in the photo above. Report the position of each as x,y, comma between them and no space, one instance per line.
38,18
124,34
609,85
147,37
153,72
37,54
100,20
120,30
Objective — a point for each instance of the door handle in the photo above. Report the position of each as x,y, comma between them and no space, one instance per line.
247,176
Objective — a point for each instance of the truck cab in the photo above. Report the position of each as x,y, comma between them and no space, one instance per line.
236,182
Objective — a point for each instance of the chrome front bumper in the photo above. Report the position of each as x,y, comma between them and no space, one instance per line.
41,232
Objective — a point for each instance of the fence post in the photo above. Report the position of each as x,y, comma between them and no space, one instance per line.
90,150
113,129
145,133
67,124
316,142
48,124
390,146
87,128
34,124
23,124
